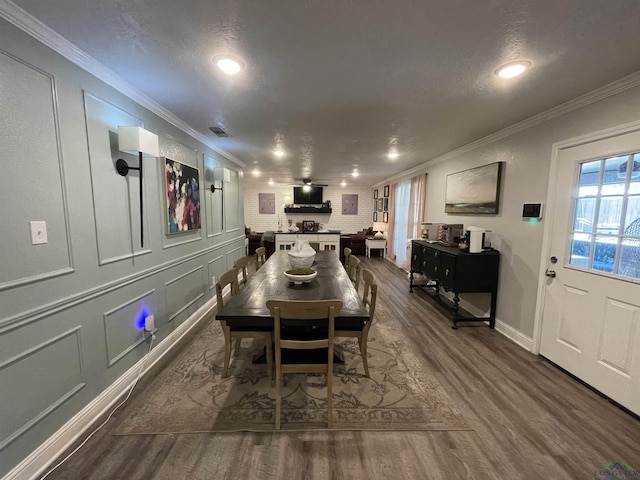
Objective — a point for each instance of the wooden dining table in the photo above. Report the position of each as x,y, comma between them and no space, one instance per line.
248,308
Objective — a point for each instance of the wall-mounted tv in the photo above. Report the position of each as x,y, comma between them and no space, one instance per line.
312,197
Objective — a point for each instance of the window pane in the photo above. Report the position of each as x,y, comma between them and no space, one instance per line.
610,215
604,254
630,258
580,246
615,175
632,222
589,178
634,187
585,209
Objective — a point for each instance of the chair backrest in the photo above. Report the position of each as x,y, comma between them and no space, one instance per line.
370,293
304,310
347,254
261,256
241,264
230,277
353,270
315,245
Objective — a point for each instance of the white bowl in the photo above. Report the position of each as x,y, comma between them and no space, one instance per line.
298,279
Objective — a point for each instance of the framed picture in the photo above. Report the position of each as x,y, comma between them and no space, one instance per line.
474,191
182,194
375,193
385,205
266,203
308,225
386,191
375,216
385,217
349,204
380,205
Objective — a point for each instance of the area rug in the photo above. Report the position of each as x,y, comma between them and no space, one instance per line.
189,396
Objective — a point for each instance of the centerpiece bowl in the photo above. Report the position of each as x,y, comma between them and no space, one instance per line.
300,275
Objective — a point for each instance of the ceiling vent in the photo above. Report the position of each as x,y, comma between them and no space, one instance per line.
218,131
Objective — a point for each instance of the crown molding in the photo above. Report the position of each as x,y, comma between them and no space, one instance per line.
596,95
45,35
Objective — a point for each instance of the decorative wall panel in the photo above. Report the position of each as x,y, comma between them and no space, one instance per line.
184,294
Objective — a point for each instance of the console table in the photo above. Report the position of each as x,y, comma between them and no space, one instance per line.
375,244
326,240
458,272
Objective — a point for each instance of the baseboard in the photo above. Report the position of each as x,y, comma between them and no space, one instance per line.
514,335
40,459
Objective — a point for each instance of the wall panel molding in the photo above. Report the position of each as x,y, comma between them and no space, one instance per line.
71,391
183,280
44,311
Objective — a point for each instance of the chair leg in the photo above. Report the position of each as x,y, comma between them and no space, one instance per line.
363,352
278,398
269,342
227,350
330,396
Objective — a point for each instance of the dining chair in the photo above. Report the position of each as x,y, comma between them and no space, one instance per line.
347,254
362,334
261,257
303,310
353,271
315,245
241,264
230,277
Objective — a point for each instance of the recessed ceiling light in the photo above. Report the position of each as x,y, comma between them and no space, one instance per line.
278,153
512,69
228,64
393,155
344,184
256,172
306,188
355,174
271,182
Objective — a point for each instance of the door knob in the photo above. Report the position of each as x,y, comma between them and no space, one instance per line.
550,273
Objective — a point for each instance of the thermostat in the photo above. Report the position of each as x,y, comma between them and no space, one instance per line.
532,210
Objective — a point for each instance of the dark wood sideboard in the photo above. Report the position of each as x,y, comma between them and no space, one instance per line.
458,272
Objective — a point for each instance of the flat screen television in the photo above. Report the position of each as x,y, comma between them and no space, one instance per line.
312,197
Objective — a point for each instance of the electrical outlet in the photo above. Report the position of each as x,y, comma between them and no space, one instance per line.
149,323
38,233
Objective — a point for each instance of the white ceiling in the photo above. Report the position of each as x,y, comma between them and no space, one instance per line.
339,82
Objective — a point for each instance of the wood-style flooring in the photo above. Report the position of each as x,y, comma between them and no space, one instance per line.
530,421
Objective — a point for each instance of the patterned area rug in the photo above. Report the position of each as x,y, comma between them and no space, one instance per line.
189,396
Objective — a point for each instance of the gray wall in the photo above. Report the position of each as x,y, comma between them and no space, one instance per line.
527,157
69,309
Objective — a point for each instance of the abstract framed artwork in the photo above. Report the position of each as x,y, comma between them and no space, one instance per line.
182,194
386,191
385,205
349,204
474,191
380,205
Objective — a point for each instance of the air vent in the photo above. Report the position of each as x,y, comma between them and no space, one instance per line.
218,131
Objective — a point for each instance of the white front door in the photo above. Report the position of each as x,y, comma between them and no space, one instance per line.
591,307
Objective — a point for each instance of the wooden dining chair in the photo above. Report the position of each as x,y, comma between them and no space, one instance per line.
230,277
347,254
312,310
261,257
353,270
369,299
241,264
315,245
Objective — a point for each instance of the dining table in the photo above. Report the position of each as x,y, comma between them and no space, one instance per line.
248,307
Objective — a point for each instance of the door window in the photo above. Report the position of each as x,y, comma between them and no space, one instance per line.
605,235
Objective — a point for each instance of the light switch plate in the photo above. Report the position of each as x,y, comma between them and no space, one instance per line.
38,233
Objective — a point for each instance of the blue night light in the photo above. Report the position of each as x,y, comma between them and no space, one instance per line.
144,313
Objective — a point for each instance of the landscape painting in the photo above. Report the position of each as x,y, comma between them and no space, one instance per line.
474,191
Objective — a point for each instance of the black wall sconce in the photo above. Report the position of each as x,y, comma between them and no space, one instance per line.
223,176
136,140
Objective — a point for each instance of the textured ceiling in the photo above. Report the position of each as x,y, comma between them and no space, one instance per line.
337,83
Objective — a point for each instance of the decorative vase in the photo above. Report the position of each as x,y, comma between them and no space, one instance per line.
301,254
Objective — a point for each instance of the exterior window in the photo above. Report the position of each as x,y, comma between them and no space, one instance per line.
605,234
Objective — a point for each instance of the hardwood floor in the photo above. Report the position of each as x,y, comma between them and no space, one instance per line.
530,421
